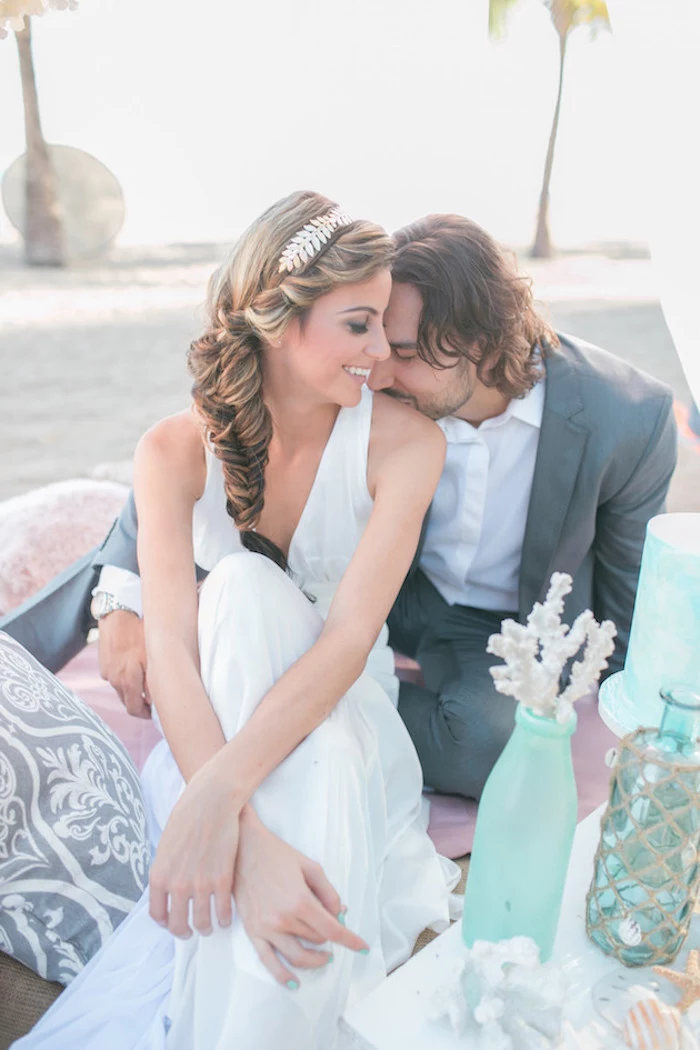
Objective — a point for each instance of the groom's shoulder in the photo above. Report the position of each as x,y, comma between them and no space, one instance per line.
606,382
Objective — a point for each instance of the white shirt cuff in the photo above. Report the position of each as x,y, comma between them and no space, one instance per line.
124,585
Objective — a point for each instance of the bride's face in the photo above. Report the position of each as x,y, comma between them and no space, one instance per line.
332,349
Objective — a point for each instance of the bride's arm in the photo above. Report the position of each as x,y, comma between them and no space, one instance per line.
169,473
405,478
295,898
406,470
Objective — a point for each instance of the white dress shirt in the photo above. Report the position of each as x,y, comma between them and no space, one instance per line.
124,585
475,533
476,528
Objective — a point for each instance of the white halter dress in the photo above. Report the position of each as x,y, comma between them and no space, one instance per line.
349,796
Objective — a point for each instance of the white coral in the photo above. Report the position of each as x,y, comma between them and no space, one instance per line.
536,653
516,1001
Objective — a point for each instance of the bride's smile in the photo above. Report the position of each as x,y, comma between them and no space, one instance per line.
326,355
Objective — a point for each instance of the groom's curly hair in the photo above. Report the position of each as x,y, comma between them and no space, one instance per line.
475,303
250,303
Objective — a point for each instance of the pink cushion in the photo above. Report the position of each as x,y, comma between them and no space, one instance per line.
44,531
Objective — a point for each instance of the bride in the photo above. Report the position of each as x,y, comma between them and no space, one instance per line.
286,795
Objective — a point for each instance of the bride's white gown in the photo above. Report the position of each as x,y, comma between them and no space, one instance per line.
349,796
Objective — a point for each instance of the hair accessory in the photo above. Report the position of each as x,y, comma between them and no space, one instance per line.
309,240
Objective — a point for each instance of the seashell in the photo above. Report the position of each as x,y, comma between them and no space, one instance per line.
630,932
689,855
652,1025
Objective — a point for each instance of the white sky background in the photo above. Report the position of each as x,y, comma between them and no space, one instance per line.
207,113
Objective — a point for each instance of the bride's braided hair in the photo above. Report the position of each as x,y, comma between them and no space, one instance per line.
250,303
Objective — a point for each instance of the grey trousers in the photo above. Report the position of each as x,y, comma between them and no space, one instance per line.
458,722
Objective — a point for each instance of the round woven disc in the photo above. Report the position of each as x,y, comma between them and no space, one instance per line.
91,199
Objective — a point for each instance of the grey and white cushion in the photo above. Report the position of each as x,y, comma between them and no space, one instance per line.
74,850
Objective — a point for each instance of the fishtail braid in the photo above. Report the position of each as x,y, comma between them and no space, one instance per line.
227,390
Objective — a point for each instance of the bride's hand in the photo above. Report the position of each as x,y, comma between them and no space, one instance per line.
196,857
282,896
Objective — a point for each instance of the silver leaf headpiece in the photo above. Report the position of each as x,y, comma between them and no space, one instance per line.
309,240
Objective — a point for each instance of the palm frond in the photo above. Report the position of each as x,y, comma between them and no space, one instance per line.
499,10
567,15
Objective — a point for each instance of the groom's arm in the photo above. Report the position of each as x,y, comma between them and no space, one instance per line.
122,652
119,546
621,528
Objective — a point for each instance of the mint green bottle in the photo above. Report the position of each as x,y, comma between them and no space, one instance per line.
524,833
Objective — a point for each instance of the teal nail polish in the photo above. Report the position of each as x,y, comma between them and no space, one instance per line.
341,918
329,960
364,951
292,985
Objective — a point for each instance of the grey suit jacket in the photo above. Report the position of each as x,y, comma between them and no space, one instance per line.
606,453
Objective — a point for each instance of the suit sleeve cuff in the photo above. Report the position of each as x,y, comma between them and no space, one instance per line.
124,585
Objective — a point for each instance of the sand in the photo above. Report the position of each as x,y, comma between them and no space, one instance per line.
91,356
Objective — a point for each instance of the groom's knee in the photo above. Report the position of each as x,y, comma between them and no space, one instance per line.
475,735
458,735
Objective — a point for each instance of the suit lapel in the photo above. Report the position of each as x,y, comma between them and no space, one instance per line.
559,453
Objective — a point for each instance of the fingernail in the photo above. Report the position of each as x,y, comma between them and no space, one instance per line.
341,918
292,985
329,960
364,951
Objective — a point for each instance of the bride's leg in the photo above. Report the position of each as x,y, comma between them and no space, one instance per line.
254,623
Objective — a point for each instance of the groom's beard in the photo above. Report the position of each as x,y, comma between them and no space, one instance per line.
447,402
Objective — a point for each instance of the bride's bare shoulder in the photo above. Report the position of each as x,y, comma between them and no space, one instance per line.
394,423
175,445
401,439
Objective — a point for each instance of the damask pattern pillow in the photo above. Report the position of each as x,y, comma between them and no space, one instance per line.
74,851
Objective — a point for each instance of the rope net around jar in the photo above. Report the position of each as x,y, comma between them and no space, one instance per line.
658,854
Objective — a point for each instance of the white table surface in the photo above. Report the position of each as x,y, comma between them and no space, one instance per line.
395,1015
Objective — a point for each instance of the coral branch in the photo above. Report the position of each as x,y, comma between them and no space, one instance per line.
536,653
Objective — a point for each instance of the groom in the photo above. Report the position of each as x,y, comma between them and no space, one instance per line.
558,455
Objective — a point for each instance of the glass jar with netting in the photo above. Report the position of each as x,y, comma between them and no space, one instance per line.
647,865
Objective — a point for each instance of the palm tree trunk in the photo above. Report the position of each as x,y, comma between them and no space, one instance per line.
542,247
43,233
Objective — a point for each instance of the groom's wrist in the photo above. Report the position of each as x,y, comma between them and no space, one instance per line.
123,586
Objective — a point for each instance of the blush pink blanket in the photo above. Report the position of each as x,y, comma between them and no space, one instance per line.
452,819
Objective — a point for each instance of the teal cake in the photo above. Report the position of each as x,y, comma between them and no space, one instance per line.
664,647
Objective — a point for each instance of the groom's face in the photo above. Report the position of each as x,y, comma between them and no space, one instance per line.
436,392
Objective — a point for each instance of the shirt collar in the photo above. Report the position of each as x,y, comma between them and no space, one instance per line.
528,409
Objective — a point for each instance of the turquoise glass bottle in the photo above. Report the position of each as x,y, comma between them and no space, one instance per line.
524,833
647,866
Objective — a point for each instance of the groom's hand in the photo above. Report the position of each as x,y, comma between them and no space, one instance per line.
122,657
